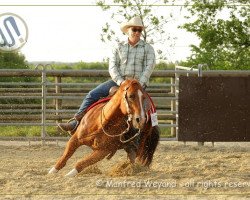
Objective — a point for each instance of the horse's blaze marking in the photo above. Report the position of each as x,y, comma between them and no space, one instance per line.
140,94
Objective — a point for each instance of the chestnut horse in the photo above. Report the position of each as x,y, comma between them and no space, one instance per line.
118,124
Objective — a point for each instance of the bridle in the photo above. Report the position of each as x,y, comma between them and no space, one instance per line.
129,119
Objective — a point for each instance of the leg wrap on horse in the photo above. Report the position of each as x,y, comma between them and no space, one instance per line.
53,170
72,173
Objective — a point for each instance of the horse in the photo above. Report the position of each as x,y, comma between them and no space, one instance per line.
120,123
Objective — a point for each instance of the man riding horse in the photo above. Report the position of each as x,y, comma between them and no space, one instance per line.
116,124
133,58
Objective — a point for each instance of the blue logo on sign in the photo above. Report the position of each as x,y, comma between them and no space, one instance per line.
13,32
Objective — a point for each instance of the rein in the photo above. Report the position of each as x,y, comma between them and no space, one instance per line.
127,121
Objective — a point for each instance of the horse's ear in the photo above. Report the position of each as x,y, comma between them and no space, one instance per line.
125,84
128,82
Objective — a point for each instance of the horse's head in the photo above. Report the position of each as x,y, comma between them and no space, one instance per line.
132,105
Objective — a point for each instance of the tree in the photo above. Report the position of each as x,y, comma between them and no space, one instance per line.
223,28
12,60
15,60
154,22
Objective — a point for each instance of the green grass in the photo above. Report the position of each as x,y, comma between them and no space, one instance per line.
166,132
28,131
34,131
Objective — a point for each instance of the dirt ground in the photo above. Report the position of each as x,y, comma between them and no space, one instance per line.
178,172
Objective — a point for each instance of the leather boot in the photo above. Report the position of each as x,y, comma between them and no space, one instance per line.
71,127
79,116
68,127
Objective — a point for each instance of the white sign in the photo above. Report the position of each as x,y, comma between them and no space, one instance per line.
13,32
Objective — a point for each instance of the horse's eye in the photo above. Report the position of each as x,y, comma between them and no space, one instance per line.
131,96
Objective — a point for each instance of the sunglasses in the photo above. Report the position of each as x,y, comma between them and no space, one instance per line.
137,30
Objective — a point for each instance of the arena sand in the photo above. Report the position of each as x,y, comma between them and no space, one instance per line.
178,172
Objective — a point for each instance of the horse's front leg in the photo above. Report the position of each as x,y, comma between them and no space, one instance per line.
71,147
91,159
131,152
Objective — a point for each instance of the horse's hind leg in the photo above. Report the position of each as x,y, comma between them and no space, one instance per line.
71,147
91,159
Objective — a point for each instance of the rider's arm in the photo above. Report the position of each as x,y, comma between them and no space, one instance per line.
114,66
149,63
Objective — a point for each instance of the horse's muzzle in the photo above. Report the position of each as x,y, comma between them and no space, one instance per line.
139,122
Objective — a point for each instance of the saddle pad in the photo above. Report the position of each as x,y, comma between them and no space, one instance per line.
151,112
103,100
151,107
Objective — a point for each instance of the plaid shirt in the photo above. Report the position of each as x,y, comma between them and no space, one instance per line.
132,61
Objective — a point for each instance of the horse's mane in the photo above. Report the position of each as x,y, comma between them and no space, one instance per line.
149,141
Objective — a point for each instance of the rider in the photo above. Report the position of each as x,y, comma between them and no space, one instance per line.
133,58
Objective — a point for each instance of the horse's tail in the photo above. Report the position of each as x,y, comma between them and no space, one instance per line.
148,144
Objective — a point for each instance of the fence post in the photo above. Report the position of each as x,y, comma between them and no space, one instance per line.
173,107
58,102
44,91
177,102
200,75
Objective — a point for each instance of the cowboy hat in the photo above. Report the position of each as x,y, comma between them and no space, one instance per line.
135,21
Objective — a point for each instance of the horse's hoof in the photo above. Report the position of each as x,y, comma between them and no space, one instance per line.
53,170
72,173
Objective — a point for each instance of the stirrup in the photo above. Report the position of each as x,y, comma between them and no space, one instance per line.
72,131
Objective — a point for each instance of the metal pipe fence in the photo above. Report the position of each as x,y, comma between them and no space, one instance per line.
57,99
13,114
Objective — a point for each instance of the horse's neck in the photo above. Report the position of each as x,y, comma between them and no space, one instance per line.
113,108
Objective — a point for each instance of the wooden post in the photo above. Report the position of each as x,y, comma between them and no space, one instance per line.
177,103
58,102
173,107
44,97
200,75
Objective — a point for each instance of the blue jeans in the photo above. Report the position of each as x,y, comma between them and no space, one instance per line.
93,96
